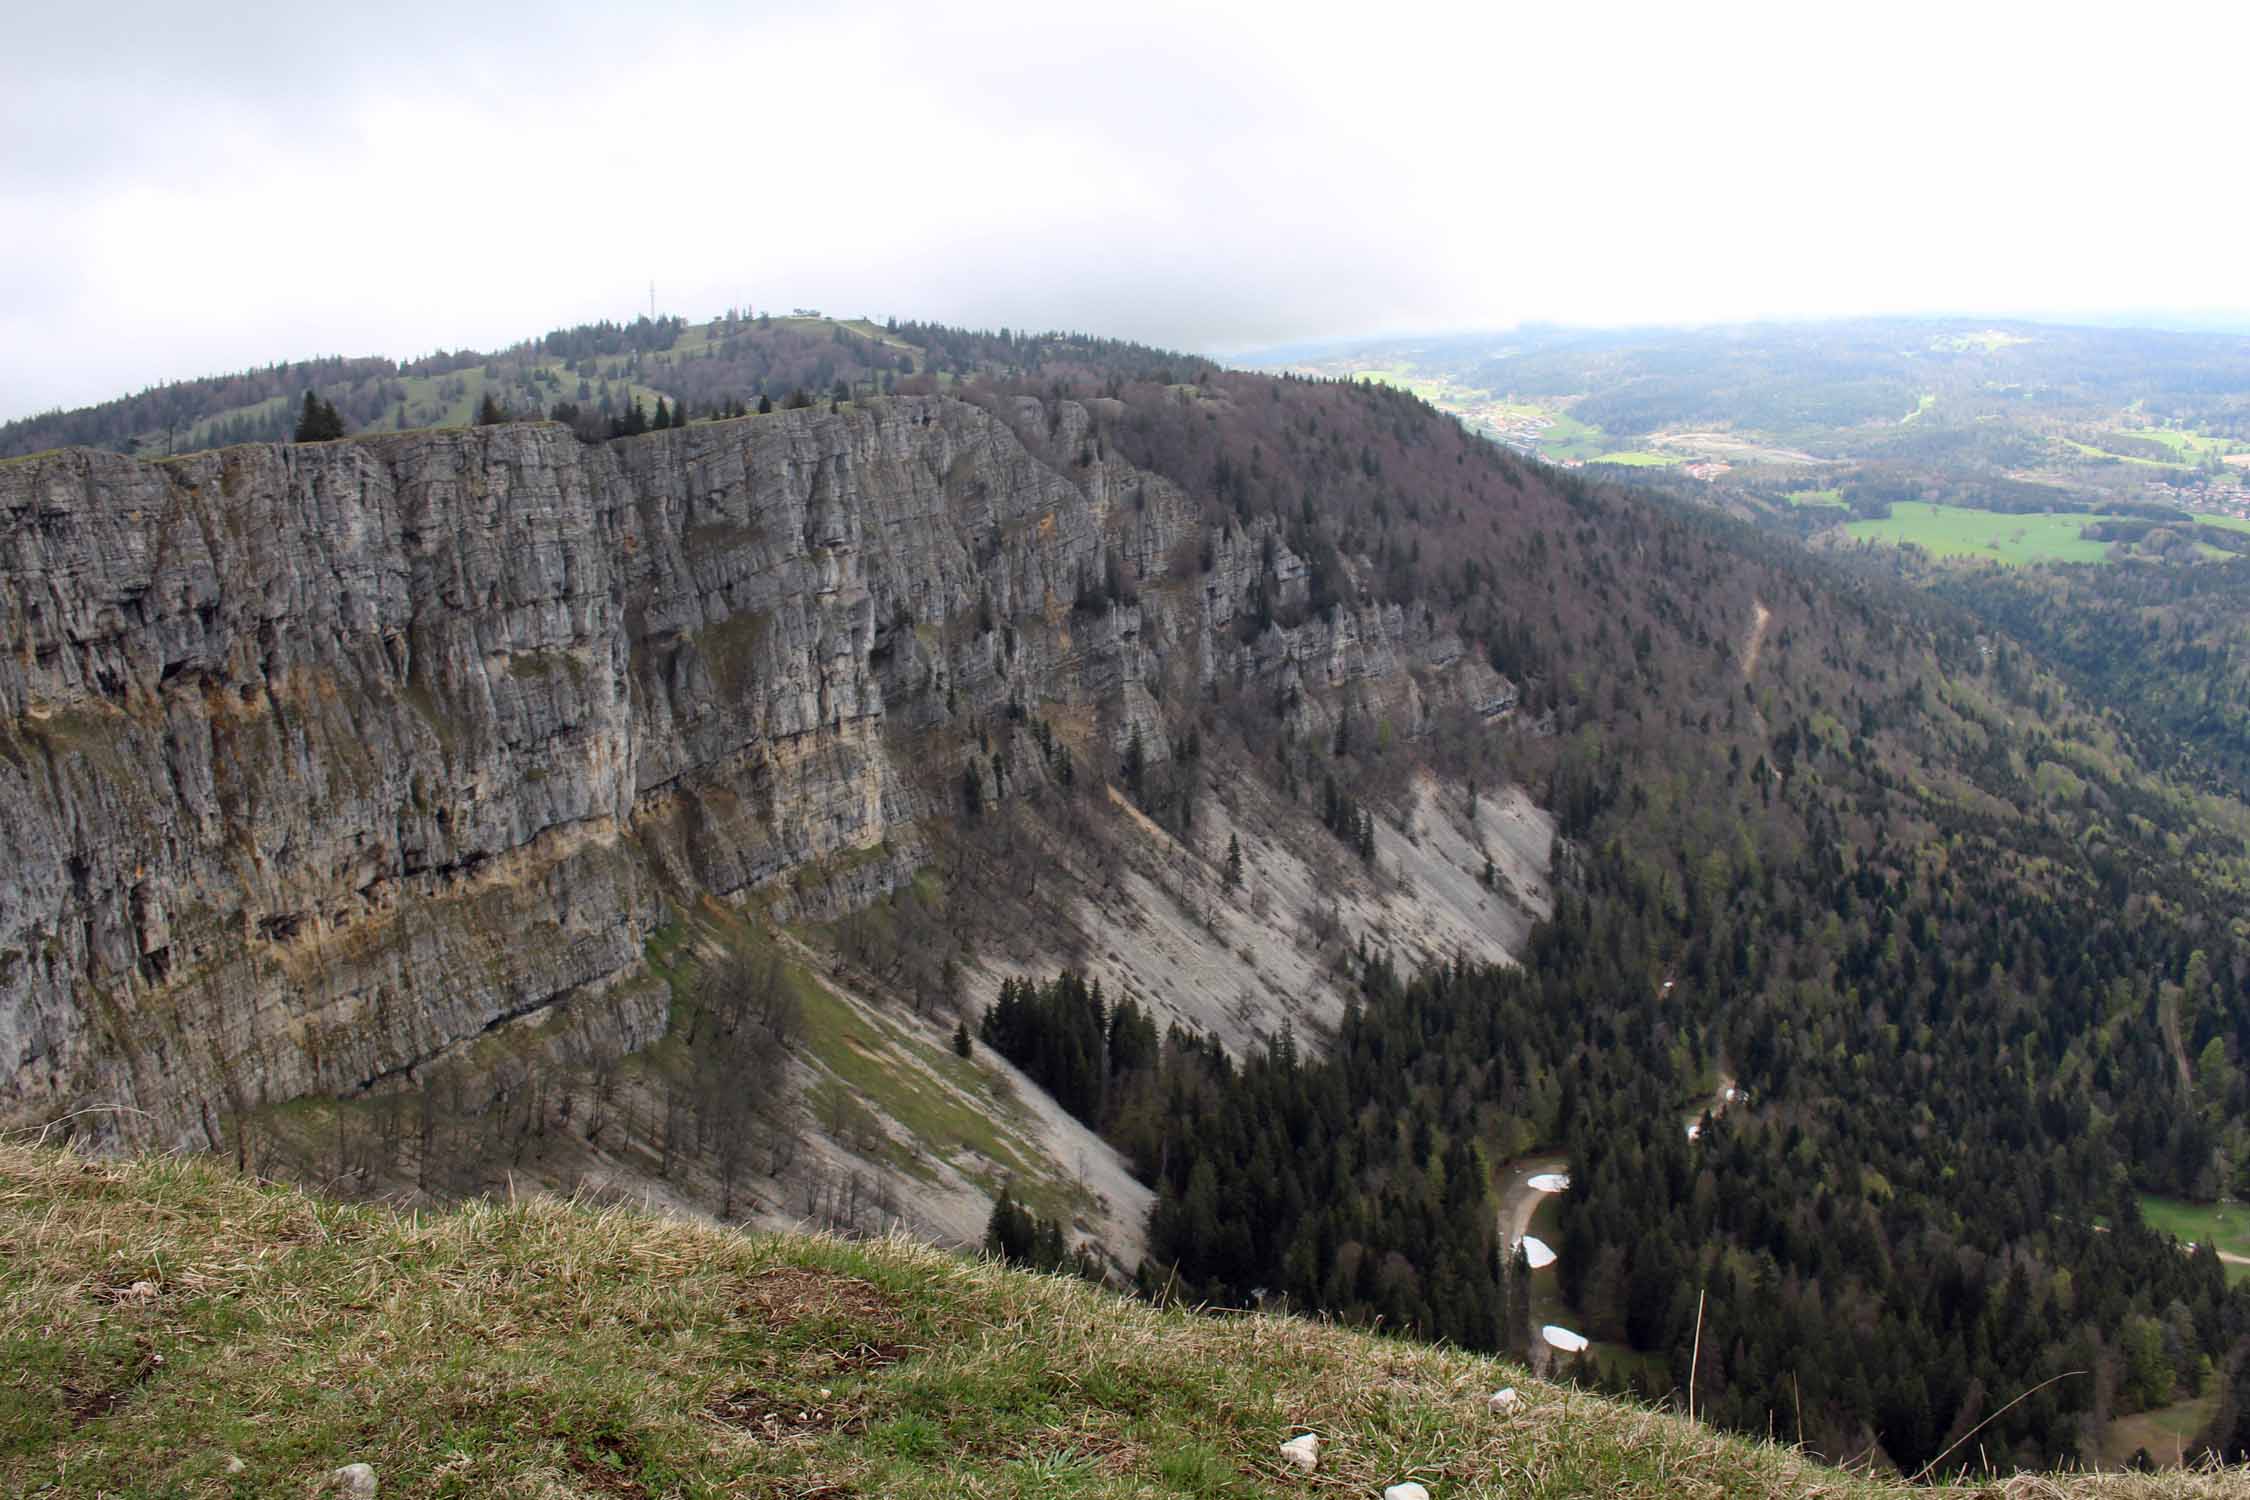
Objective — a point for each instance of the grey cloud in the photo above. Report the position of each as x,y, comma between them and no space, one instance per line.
185,191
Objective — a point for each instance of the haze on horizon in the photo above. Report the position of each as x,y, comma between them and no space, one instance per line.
184,193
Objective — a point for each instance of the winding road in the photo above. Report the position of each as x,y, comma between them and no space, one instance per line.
1519,1197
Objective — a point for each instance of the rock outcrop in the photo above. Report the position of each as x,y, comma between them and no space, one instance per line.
316,761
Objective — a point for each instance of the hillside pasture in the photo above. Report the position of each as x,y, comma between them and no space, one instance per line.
2190,446
2223,1226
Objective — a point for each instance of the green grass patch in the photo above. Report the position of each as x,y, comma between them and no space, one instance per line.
1832,499
1520,410
2165,1432
2088,450
2190,446
2223,1226
945,1104
880,1071
1951,532
1640,459
1922,404
171,1328
1570,438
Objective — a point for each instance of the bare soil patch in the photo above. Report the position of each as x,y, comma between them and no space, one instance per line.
775,1418
90,1401
1760,615
788,1295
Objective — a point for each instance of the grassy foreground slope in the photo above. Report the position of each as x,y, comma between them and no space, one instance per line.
169,1328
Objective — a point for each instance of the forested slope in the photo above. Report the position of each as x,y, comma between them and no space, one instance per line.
1932,911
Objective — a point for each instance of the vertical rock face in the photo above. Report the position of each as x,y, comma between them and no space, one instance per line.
317,760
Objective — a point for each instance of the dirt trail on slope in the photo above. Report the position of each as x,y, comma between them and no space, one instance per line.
2168,1021
1519,1200
1759,616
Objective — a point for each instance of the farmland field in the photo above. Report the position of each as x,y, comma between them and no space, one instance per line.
2190,446
2090,451
1948,531
2230,523
1571,438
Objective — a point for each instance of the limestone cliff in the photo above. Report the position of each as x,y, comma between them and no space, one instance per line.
318,760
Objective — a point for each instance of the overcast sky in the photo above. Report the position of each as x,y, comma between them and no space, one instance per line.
185,190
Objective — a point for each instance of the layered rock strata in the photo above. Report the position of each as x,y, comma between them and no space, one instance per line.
319,760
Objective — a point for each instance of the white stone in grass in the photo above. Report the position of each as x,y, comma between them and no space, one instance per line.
1407,1491
1303,1451
355,1481
234,1465
1504,1399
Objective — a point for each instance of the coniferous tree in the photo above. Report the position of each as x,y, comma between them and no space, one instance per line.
1135,764
318,421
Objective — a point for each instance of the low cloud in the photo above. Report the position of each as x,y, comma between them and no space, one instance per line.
188,194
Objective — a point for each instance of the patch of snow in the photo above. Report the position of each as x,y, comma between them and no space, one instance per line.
1536,1251
1563,1339
1550,1182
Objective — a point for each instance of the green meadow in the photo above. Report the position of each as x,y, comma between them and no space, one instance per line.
2224,1226
1948,531
1571,438
2190,446
2090,451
